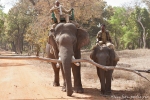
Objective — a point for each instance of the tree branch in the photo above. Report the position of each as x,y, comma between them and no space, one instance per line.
111,67
146,34
77,60
32,1
146,71
139,20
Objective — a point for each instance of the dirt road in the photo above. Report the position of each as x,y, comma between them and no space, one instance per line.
31,79
20,79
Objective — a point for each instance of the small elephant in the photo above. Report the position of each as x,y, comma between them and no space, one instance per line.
64,44
105,56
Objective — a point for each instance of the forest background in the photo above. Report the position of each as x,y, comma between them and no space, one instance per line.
26,26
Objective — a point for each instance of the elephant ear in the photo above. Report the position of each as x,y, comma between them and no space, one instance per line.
51,37
52,42
52,32
82,38
93,53
112,58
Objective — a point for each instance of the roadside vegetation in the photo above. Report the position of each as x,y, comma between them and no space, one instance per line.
26,26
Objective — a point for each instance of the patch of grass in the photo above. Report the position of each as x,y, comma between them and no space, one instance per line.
89,71
143,88
122,75
133,53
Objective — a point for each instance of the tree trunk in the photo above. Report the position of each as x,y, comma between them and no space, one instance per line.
144,35
116,41
13,46
37,50
144,41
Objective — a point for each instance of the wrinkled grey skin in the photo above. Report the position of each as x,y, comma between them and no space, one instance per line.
104,56
67,43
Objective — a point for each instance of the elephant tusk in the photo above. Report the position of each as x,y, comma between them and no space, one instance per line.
58,64
76,63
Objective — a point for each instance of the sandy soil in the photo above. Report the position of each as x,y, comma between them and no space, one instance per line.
23,79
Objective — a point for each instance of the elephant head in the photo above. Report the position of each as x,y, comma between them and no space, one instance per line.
104,56
67,41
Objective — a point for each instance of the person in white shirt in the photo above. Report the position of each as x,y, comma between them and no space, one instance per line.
59,11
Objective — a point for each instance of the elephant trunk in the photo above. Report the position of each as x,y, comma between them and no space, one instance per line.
65,53
66,63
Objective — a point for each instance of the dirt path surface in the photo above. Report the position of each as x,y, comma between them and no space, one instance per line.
23,79
20,80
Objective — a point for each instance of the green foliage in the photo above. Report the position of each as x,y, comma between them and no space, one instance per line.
27,25
118,22
17,22
125,28
2,28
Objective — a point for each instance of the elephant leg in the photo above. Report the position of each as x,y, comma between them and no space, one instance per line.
77,79
102,80
56,75
56,70
98,72
64,83
77,73
108,81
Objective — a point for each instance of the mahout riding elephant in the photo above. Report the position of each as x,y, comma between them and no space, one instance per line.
64,43
105,56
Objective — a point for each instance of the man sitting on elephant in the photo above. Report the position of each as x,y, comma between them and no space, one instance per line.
103,37
59,11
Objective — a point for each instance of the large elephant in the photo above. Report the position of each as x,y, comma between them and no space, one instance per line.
65,44
105,56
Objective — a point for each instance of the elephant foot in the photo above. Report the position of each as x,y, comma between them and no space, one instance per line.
108,93
102,92
63,89
56,84
69,93
78,90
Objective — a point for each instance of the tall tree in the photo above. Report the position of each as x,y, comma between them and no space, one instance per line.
118,23
87,13
18,21
2,28
142,18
